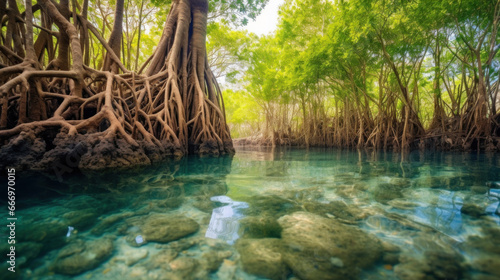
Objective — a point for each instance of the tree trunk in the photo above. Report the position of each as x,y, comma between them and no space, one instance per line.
111,120
115,39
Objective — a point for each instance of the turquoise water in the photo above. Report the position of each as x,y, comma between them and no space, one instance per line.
278,214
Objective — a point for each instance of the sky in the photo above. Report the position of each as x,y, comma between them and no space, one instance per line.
266,22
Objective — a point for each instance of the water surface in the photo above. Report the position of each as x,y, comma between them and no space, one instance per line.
264,213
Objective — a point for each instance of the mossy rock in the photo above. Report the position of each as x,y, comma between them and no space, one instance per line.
434,265
489,265
339,209
385,192
479,189
322,248
489,243
271,206
164,228
80,256
263,257
475,205
259,227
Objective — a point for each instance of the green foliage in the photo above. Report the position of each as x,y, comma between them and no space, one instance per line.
373,56
242,113
227,49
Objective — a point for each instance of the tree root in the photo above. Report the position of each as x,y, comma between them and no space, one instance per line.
82,118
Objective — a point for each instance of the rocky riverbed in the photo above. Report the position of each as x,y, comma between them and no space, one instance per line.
255,218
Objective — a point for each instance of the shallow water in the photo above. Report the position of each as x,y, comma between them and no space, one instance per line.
280,214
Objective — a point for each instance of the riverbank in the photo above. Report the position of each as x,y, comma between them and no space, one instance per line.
59,153
431,142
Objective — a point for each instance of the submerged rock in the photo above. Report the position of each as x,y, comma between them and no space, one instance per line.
391,253
338,209
489,242
80,256
434,265
475,205
131,257
316,246
352,191
212,260
184,268
108,221
227,270
489,246
479,189
307,194
259,227
449,182
263,257
270,206
385,192
205,205
160,259
162,227
473,210
402,204
490,265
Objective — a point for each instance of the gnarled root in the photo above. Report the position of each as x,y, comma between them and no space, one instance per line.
88,119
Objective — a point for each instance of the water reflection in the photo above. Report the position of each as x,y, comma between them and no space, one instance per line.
224,223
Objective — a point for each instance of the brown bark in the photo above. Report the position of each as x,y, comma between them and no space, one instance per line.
176,108
115,39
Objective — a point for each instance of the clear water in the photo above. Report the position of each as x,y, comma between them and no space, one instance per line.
410,205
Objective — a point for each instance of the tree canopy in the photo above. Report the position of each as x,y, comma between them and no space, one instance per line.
379,73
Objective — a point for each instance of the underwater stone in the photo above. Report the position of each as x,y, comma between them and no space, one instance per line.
132,256
402,204
445,265
212,260
489,243
164,228
259,227
227,270
490,265
475,205
473,210
184,244
263,257
159,260
109,221
385,192
390,258
311,241
270,206
184,268
308,194
434,265
205,205
337,262
412,270
81,218
339,209
356,190
391,253
479,189
80,256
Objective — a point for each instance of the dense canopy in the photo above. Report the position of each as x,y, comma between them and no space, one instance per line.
373,73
